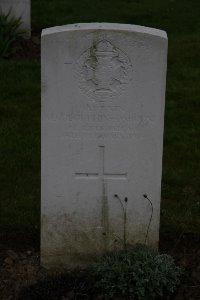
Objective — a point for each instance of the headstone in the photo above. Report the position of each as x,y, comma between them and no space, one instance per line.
103,94
19,8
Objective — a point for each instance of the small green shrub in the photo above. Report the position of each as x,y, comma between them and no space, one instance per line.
10,32
138,273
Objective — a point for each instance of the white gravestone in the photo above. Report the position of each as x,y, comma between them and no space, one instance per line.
18,8
103,94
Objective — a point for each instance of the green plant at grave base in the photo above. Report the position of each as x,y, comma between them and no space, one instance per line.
10,32
137,273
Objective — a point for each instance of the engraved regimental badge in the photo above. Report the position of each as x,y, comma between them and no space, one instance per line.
103,71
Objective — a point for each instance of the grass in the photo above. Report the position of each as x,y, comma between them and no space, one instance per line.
174,16
181,165
20,146
20,110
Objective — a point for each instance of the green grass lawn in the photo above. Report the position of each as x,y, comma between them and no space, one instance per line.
20,145
20,110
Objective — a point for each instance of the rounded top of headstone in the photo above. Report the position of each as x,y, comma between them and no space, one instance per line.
105,26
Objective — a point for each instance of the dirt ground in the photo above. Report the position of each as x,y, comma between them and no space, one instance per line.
20,267
28,49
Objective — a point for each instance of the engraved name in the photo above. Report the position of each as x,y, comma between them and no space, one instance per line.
93,117
92,125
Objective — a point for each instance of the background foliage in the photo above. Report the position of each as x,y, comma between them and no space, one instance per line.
10,32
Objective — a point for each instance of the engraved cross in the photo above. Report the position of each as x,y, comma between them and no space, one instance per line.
101,175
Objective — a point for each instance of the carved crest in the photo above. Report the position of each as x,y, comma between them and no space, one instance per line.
103,70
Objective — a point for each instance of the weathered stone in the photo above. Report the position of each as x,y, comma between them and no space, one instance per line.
103,90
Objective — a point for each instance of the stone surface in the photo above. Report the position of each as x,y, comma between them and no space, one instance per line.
103,91
19,8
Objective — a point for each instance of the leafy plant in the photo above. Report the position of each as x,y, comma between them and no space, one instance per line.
10,32
137,273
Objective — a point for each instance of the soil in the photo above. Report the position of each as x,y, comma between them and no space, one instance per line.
28,49
22,278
